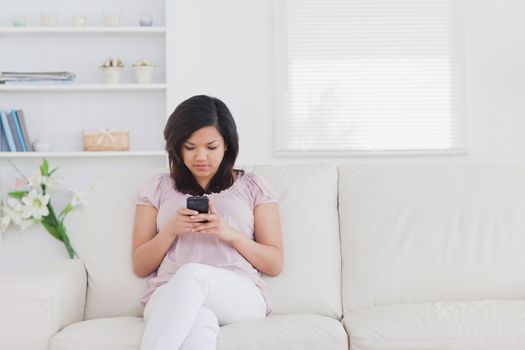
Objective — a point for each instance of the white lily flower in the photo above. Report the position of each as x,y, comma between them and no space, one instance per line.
25,224
15,205
4,223
36,180
77,199
51,182
35,205
13,212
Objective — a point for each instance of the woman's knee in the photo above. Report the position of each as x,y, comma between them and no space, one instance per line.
190,272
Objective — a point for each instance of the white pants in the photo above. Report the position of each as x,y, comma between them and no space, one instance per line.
186,312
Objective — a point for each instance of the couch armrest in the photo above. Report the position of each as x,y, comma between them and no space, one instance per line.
36,305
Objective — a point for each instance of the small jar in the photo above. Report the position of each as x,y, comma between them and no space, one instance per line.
49,19
19,20
112,19
145,20
78,20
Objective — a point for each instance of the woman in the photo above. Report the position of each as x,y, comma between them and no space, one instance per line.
204,267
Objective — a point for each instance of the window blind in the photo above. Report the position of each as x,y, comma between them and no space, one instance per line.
369,76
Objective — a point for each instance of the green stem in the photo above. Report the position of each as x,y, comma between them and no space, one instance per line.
52,214
58,230
70,250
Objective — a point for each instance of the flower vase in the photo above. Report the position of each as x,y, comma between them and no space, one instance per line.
144,74
111,74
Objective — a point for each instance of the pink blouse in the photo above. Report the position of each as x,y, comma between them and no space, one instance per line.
236,205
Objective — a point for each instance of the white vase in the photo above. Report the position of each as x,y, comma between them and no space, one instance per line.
41,146
144,74
111,75
48,19
112,19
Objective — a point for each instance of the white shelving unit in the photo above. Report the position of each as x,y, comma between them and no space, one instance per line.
57,113
81,154
72,87
76,31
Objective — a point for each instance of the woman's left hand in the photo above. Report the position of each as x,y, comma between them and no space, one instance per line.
215,225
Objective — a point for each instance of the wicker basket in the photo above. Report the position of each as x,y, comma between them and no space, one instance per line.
106,140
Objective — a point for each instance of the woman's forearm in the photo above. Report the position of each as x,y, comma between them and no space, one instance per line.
147,257
265,258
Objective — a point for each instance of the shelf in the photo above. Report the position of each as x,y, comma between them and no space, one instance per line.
65,31
53,109
72,87
82,154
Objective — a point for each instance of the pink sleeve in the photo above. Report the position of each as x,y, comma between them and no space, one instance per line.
150,193
261,190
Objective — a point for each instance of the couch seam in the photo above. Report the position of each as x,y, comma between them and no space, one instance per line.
288,344
341,312
449,338
66,342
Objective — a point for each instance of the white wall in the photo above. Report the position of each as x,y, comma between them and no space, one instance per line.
496,70
223,48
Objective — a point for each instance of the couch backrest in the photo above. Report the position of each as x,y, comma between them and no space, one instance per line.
310,281
418,233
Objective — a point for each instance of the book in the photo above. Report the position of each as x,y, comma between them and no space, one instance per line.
23,126
14,132
19,130
7,131
4,146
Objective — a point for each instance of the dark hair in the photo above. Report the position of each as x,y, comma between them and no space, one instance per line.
191,115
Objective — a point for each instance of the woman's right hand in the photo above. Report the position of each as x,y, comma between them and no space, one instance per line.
181,222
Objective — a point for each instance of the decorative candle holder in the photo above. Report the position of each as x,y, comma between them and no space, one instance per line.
49,19
145,20
19,20
78,20
112,19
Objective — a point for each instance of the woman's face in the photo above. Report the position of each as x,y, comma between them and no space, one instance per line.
203,152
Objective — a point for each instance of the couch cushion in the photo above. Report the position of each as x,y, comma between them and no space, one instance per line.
431,232
482,325
309,283
301,332
285,332
110,211
311,279
100,334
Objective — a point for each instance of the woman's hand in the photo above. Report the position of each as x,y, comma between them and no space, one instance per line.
215,224
181,222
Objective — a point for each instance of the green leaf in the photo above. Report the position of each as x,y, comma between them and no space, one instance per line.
44,168
65,211
18,194
52,171
51,217
52,229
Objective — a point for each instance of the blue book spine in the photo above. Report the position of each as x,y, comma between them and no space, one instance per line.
7,131
19,131
4,147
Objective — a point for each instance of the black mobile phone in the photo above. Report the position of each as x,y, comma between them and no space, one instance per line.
198,203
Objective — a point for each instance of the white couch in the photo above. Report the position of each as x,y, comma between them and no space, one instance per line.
377,257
